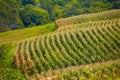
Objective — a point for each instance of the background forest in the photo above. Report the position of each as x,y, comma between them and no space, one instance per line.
16,14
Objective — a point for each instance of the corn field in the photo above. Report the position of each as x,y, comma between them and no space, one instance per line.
81,43
105,15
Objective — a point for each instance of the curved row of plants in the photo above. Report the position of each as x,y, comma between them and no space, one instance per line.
61,50
105,15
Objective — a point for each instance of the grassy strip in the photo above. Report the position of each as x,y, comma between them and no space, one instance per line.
7,71
17,35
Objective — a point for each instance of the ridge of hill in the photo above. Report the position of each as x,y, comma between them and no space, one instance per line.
89,25
105,15
21,34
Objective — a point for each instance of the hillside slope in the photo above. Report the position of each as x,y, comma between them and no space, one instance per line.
8,43
65,49
17,35
89,45
94,42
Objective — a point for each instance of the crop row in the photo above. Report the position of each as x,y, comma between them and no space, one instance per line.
106,15
89,25
66,49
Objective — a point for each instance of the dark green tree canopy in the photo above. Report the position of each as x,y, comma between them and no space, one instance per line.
15,14
32,16
8,15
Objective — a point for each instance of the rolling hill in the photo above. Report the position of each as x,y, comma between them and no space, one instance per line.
91,39
83,47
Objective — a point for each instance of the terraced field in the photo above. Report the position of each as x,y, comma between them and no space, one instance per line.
73,46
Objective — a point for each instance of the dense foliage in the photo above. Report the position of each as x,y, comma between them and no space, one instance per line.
15,14
9,15
31,16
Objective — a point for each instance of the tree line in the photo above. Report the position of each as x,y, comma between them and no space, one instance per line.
16,14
